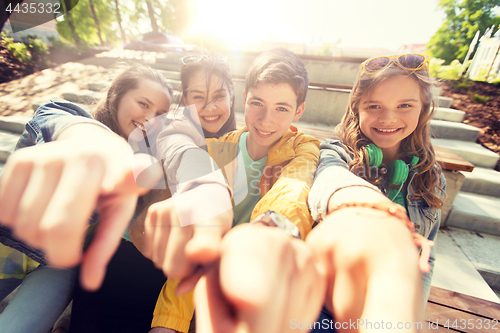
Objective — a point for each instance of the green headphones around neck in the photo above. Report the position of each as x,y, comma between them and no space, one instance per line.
399,169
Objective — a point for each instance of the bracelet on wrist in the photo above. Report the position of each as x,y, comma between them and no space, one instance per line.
391,208
399,212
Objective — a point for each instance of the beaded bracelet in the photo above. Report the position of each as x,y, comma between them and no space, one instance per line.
399,212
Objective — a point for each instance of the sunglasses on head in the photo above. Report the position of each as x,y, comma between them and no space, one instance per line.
409,61
198,57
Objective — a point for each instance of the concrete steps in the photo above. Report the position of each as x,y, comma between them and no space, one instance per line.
447,114
170,75
167,65
444,102
14,124
470,151
482,181
463,257
453,131
8,141
11,129
475,212
482,251
83,96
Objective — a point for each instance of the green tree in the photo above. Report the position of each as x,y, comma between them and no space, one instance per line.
85,29
151,13
70,25
463,19
119,20
96,20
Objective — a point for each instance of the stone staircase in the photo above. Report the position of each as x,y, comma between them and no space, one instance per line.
475,210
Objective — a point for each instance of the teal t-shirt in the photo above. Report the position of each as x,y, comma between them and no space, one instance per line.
246,192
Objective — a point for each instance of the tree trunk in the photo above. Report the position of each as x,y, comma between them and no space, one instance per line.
119,19
96,20
68,17
151,12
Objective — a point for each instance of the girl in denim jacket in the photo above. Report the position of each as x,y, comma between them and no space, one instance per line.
135,96
384,139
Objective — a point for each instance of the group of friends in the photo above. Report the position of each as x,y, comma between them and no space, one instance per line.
147,217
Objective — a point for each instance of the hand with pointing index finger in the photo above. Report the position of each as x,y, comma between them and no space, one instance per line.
265,281
48,193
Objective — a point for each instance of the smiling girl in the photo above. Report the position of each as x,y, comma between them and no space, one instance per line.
207,84
384,138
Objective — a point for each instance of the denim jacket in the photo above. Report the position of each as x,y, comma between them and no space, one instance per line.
333,174
47,123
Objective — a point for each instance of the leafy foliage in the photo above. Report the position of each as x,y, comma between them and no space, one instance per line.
446,72
32,51
480,99
85,26
170,16
463,19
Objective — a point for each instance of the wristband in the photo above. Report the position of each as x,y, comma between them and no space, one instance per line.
388,207
399,212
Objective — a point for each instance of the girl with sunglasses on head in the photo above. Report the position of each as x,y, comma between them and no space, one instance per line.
206,83
380,172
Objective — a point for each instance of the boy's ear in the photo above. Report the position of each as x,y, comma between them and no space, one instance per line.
299,112
244,98
184,100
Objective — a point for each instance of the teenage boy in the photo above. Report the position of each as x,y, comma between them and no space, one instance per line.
269,166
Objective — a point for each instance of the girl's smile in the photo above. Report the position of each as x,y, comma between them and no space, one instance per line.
389,113
149,100
213,106
387,131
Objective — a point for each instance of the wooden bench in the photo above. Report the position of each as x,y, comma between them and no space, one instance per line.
449,311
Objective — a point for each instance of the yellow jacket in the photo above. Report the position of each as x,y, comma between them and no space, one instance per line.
284,187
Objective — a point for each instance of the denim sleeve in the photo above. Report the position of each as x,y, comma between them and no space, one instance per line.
332,175
51,119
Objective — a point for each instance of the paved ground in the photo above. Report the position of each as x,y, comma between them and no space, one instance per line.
18,96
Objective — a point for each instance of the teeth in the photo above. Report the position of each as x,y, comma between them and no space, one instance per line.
264,133
211,118
387,130
138,124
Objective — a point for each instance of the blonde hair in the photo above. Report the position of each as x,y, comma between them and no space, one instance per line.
418,143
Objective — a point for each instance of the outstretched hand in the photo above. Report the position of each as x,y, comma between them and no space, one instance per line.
371,265
48,193
177,249
265,281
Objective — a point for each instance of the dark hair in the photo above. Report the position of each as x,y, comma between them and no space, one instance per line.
279,66
107,109
211,65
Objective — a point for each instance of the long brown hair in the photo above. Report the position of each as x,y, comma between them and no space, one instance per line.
106,110
211,65
417,143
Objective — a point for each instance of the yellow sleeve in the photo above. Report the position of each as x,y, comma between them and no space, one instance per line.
172,311
14,264
288,195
